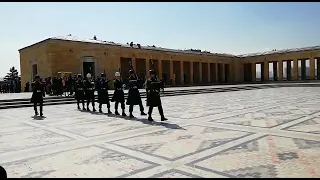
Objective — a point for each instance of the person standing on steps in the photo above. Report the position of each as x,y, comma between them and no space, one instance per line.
153,87
38,94
79,91
89,92
118,95
134,97
103,95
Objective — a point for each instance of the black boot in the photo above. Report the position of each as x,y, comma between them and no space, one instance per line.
100,110
116,112
83,108
94,109
78,107
36,113
88,109
143,114
109,112
41,114
131,115
150,118
123,113
163,118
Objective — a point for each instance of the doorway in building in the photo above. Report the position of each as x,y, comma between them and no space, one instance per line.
34,71
88,67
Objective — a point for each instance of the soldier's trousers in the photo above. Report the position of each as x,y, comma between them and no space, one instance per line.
78,102
35,107
117,104
140,105
159,108
108,105
92,102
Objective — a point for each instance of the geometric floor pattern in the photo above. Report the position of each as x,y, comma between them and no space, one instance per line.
265,133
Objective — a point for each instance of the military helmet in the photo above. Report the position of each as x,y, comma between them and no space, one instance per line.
102,75
131,71
88,75
79,76
151,71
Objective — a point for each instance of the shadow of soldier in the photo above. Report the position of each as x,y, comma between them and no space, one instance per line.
3,173
38,117
155,123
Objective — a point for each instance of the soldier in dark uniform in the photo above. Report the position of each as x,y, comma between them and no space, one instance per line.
89,91
153,87
134,94
37,95
79,91
118,95
103,95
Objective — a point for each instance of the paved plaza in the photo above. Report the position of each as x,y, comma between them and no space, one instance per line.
262,133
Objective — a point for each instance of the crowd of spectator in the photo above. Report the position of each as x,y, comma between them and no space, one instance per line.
13,86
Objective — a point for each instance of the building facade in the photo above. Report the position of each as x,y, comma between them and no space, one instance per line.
187,67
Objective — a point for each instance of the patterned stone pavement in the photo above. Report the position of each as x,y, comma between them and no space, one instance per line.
257,133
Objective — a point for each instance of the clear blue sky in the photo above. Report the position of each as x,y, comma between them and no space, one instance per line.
235,28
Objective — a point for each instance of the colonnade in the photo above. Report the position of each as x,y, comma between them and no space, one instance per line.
183,72
284,70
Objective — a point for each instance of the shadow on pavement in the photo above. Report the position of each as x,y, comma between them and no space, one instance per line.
142,120
38,117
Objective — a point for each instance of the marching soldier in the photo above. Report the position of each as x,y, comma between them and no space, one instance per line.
153,87
37,95
103,96
79,91
118,95
134,94
89,92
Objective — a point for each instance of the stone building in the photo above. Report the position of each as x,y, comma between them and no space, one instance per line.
189,67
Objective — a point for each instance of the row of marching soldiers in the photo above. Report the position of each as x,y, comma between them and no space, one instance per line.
84,91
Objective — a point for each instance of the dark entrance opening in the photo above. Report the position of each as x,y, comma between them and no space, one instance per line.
247,70
34,70
88,67
226,73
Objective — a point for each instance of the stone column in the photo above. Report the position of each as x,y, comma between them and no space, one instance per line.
289,70
181,72
312,68
134,62
200,72
209,74
295,70
253,71
191,72
262,72
266,71
303,69
216,73
318,68
171,69
275,71
223,77
280,64
147,66
160,68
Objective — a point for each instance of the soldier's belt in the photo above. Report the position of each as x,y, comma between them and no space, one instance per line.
80,89
103,88
90,89
39,91
119,89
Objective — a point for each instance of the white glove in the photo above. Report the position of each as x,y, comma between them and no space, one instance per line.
123,86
